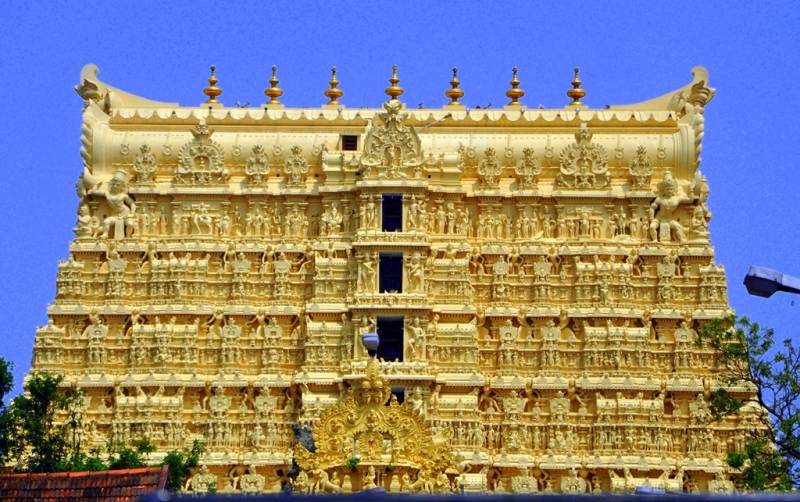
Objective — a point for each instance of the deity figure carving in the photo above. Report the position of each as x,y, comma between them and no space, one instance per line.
572,483
230,343
251,481
215,324
640,169
583,163
391,145
261,322
699,410
331,220
489,169
367,273
488,401
416,273
121,206
202,482
257,166
369,214
218,402
95,333
415,341
87,225
368,480
684,333
701,215
559,407
700,218
467,157
412,213
295,168
663,220
144,165
201,161
528,169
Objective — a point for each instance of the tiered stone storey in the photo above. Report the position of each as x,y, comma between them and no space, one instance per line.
537,278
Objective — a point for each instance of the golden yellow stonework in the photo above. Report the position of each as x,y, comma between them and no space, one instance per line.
554,266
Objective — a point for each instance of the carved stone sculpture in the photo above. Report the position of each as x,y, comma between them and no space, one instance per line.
583,164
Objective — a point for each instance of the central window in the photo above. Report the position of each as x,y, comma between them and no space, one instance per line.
390,331
390,273
392,212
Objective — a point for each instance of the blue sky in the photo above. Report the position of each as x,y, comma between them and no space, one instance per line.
627,51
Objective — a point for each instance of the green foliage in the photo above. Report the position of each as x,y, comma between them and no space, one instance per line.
747,355
181,462
130,456
6,380
33,440
762,468
80,461
6,424
351,463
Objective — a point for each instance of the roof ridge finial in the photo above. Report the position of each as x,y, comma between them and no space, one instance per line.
515,93
394,90
576,93
455,93
212,91
273,92
333,93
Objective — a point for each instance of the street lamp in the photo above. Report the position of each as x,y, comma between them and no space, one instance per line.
763,281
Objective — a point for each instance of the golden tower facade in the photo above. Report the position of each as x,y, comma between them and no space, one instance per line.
537,277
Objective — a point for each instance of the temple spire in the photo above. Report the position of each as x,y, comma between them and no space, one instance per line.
576,93
515,93
333,93
212,91
454,93
273,92
394,90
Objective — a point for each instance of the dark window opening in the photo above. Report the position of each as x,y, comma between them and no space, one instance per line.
349,142
392,212
399,393
390,273
390,331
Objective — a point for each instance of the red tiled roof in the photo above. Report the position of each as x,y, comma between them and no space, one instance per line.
120,485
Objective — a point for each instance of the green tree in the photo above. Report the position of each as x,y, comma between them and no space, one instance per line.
181,462
35,441
130,456
6,384
747,357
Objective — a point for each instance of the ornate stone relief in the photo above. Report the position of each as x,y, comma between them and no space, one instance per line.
640,170
583,164
664,225
489,169
296,168
257,166
370,425
392,149
144,165
201,161
528,169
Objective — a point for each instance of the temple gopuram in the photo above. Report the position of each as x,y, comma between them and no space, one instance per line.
536,278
